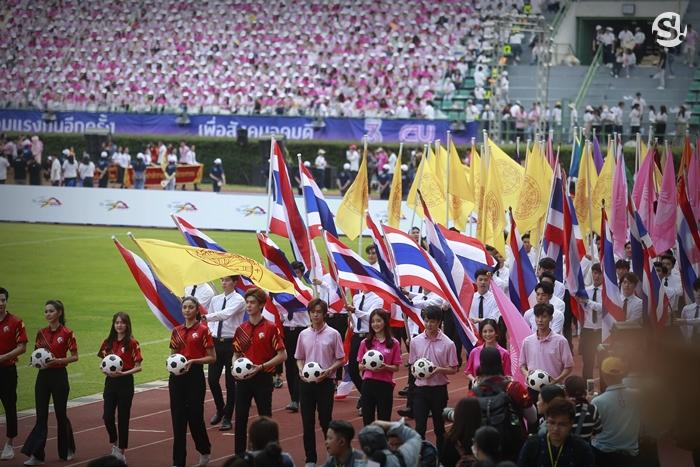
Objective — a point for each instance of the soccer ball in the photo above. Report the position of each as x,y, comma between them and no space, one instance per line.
312,372
111,364
176,364
242,368
40,358
372,359
537,379
423,368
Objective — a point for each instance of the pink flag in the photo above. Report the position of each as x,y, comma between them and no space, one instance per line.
618,207
644,191
693,182
663,229
518,330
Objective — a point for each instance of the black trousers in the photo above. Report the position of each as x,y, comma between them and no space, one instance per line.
569,320
588,348
118,395
614,459
315,397
353,368
224,355
259,387
399,333
339,322
450,329
187,408
377,397
291,336
51,383
8,397
430,400
411,389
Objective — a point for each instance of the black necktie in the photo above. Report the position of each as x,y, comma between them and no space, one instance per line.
595,312
359,321
290,315
697,314
221,323
624,309
481,306
666,282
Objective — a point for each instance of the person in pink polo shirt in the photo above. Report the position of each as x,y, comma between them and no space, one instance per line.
430,397
322,344
378,384
545,349
488,330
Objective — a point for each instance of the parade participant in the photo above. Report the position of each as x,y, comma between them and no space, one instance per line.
632,306
323,345
224,316
13,343
119,386
378,383
260,341
543,295
592,321
690,316
430,396
52,383
488,330
193,340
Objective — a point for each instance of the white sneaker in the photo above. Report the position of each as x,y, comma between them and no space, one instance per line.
33,461
114,450
8,452
70,456
203,460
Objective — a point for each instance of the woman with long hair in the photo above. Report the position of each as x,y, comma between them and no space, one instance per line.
488,330
466,420
193,340
119,386
52,383
378,383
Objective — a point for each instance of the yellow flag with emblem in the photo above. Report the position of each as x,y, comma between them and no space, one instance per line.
350,216
587,179
430,187
533,201
492,210
393,209
603,190
178,266
511,173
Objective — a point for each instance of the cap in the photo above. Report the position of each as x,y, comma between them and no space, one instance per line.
172,158
321,151
346,166
103,154
65,152
307,164
217,161
613,366
404,167
140,156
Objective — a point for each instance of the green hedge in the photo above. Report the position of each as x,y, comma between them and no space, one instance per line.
240,161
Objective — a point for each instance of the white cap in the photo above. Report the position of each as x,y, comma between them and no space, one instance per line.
172,158
103,154
346,166
307,164
140,156
217,161
404,167
66,152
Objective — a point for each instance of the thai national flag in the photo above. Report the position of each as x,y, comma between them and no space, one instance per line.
354,272
162,302
319,215
656,302
523,280
554,231
387,265
612,298
470,251
285,219
688,242
194,236
640,239
575,251
276,261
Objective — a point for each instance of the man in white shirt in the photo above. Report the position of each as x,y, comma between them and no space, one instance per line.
86,171
224,315
4,164
320,165
690,317
548,265
353,157
55,171
531,253
672,285
543,292
483,304
632,305
591,333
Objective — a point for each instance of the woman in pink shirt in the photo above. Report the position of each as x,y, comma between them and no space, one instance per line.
488,329
378,384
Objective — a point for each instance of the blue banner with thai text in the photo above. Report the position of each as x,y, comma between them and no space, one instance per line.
411,131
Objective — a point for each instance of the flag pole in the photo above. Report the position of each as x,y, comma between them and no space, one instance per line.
447,181
269,185
312,273
364,158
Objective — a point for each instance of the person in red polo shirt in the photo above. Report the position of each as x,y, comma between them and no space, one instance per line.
13,343
52,383
261,342
193,340
119,386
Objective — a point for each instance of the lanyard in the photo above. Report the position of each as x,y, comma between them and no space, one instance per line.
552,461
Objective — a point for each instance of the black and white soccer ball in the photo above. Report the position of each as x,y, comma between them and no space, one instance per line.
40,358
372,359
311,372
423,368
176,364
242,368
111,364
537,379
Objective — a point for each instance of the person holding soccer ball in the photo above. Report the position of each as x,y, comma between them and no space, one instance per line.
52,383
193,340
378,384
119,385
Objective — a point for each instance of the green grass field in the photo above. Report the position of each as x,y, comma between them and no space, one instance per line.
80,266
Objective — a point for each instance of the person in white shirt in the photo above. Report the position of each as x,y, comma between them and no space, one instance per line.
531,253
690,317
672,285
547,266
70,169
223,317
639,38
591,333
86,171
4,164
353,157
55,171
543,292
320,165
635,117
483,303
632,305
501,276
202,292
471,111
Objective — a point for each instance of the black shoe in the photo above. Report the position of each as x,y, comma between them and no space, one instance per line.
216,418
405,412
225,425
404,392
292,407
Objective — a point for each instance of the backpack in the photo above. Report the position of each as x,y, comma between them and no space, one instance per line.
497,411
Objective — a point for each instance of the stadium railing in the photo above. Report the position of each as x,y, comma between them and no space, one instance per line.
588,79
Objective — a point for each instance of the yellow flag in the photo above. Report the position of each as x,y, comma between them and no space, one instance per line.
458,182
178,266
511,173
431,189
492,211
350,216
393,210
533,201
587,178
603,190
474,177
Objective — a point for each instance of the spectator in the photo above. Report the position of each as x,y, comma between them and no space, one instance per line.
344,179
139,168
661,120
639,38
264,448
339,446
55,171
547,394
586,422
169,182
34,170
86,171
689,45
320,165
635,117
103,168
690,316
373,441
217,175
353,157
70,168
19,165
37,147
682,119
487,445
466,418
4,164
